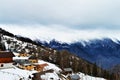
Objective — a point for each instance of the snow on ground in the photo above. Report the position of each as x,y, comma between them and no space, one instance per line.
87,77
15,74
50,66
20,58
6,45
49,76
16,54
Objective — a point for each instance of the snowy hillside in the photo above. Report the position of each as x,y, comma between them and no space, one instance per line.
19,74
29,64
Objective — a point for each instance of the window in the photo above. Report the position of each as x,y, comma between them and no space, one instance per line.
51,79
2,65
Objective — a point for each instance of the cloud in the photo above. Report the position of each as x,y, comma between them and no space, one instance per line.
60,33
72,13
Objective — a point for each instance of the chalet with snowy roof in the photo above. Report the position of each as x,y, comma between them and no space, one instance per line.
67,71
26,65
33,59
23,55
6,57
40,67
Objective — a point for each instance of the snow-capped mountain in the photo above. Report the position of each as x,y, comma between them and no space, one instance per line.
100,51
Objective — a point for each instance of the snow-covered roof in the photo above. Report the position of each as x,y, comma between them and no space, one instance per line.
75,77
20,58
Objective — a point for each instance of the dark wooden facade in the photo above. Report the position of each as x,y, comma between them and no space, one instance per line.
6,57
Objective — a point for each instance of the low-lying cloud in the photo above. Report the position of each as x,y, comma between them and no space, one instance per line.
60,33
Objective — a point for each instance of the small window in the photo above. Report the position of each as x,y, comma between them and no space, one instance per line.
2,65
51,79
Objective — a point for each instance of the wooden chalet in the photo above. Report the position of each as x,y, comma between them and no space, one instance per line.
26,65
23,55
67,71
6,57
40,67
33,59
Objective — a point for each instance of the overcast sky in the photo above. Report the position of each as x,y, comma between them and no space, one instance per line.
76,15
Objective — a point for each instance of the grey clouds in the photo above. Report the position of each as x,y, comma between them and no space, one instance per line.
77,14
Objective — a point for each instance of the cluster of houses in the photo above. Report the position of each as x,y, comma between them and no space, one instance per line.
23,58
23,61
27,62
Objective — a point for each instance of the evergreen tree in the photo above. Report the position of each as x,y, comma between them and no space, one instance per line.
95,70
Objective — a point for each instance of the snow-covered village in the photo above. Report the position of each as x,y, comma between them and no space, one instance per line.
21,60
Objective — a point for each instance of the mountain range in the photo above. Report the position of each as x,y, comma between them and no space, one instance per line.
104,52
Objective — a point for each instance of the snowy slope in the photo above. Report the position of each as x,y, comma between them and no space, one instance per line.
50,66
87,77
16,73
